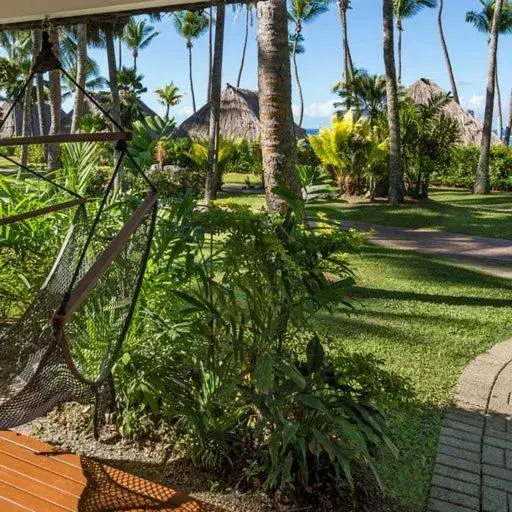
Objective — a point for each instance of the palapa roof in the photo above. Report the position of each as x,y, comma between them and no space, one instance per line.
471,128
14,122
239,118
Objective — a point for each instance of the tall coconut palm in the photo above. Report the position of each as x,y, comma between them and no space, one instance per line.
169,96
482,174
81,76
348,65
55,103
301,12
446,54
248,22
278,144
191,26
407,9
212,174
483,22
37,39
396,182
137,36
102,35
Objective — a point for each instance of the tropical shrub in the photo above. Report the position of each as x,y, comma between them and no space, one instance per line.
352,150
246,158
428,138
460,170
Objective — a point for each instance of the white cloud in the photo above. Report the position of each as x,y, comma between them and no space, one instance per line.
476,102
317,110
184,111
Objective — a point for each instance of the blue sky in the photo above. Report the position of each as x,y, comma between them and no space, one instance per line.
320,67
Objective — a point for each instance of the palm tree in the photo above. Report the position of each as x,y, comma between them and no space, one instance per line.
169,96
37,39
396,182
55,103
81,75
102,35
278,144
212,173
348,66
364,93
248,22
483,22
191,26
407,9
138,35
482,173
300,13
444,46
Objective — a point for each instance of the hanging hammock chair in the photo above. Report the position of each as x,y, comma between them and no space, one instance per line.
64,347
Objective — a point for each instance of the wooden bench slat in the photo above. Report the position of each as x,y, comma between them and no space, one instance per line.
65,138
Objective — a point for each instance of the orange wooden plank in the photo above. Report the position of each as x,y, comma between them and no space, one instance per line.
35,478
55,498
57,482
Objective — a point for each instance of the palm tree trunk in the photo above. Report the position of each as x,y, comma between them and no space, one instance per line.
500,106
482,185
41,110
120,48
275,96
25,124
210,54
246,40
399,30
212,173
348,66
112,74
189,46
508,130
396,184
297,77
447,59
135,61
81,76
55,104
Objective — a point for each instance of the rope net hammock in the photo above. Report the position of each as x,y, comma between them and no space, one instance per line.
64,347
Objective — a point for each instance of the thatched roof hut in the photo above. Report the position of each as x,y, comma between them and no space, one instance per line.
14,122
239,118
471,128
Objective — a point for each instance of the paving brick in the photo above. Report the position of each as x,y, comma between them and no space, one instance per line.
458,474
497,422
491,432
470,488
496,442
457,463
508,459
444,506
470,418
463,435
458,425
497,483
494,500
460,453
472,446
494,456
501,473
457,498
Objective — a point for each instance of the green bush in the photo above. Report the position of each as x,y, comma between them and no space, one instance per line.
460,170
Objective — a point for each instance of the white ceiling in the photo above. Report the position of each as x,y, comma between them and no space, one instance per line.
18,11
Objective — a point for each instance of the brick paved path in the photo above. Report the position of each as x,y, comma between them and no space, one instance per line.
491,255
473,467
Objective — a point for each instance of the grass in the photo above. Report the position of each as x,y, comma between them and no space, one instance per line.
448,210
237,178
426,319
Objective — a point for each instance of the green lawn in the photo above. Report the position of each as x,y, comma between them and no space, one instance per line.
237,178
447,210
426,319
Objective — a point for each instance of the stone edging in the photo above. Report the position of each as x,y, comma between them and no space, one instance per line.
473,467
